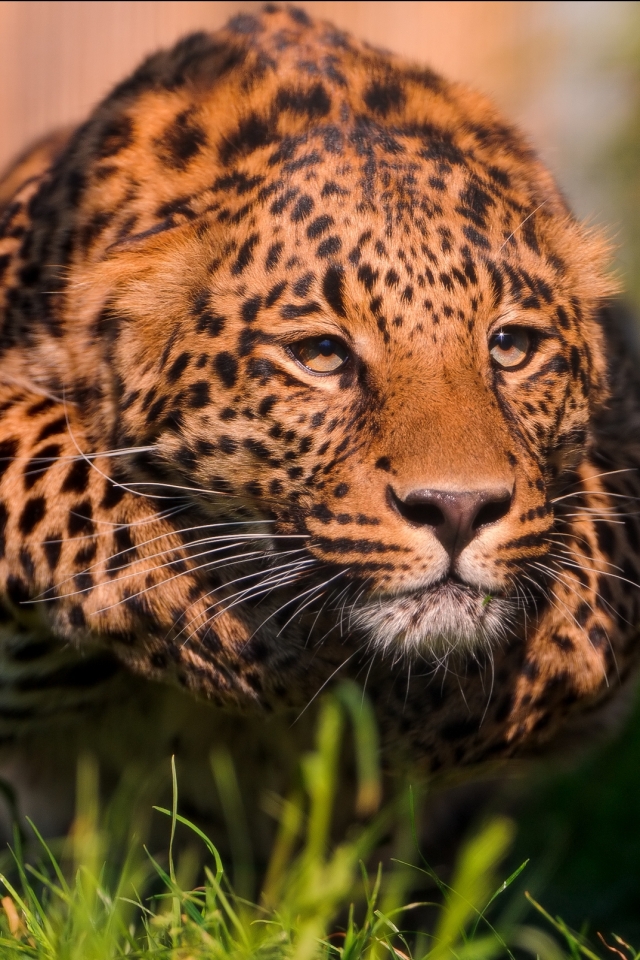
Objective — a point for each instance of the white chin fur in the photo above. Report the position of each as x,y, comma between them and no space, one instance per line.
435,622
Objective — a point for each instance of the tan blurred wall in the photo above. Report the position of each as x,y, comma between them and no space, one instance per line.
58,58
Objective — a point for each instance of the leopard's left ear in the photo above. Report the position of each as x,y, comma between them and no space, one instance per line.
596,285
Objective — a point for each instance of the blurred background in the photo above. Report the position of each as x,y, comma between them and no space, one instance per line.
569,74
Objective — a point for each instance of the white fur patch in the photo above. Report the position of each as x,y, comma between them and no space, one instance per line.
441,620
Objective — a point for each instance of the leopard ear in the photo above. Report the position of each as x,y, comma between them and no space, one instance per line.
597,285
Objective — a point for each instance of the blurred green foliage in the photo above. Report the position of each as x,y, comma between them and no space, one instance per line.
319,899
581,827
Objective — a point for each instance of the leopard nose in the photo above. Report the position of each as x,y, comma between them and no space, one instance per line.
455,516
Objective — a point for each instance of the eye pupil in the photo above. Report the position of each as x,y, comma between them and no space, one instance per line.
326,347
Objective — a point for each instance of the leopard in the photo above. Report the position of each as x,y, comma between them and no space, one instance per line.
309,373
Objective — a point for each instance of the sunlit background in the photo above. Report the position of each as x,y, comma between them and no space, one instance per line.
569,74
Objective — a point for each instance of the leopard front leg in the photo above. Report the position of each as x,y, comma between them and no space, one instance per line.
88,559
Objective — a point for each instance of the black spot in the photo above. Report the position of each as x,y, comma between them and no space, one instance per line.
40,406
199,394
475,203
407,294
333,189
257,448
302,285
39,464
76,616
245,254
211,323
341,490
52,428
52,549
575,362
251,308
299,16
80,519
329,247
226,366
321,512
283,201
17,590
319,226
227,444
181,141
261,369
245,23
77,479
267,405
253,133
598,637
497,282
248,339
383,96
116,135
178,366
383,463
476,238
291,311
273,256
276,292
85,554
8,450
113,494
333,289
367,276
32,513
313,102
302,208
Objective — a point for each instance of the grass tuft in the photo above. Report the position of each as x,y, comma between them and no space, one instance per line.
318,899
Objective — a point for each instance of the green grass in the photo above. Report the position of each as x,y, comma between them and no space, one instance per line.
99,897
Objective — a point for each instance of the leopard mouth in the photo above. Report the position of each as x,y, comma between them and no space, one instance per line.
449,616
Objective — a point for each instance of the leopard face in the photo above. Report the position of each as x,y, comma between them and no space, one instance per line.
294,287
395,399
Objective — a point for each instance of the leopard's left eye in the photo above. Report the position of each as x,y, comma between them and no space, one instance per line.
511,347
320,354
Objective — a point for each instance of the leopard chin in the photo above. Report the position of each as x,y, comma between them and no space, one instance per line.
445,619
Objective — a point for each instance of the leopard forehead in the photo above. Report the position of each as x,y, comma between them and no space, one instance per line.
293,168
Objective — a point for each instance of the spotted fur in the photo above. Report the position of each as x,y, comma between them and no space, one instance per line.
182,497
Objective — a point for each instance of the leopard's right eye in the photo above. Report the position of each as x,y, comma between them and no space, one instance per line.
320,354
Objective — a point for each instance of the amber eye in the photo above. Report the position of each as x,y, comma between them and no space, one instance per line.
511,347
320,354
